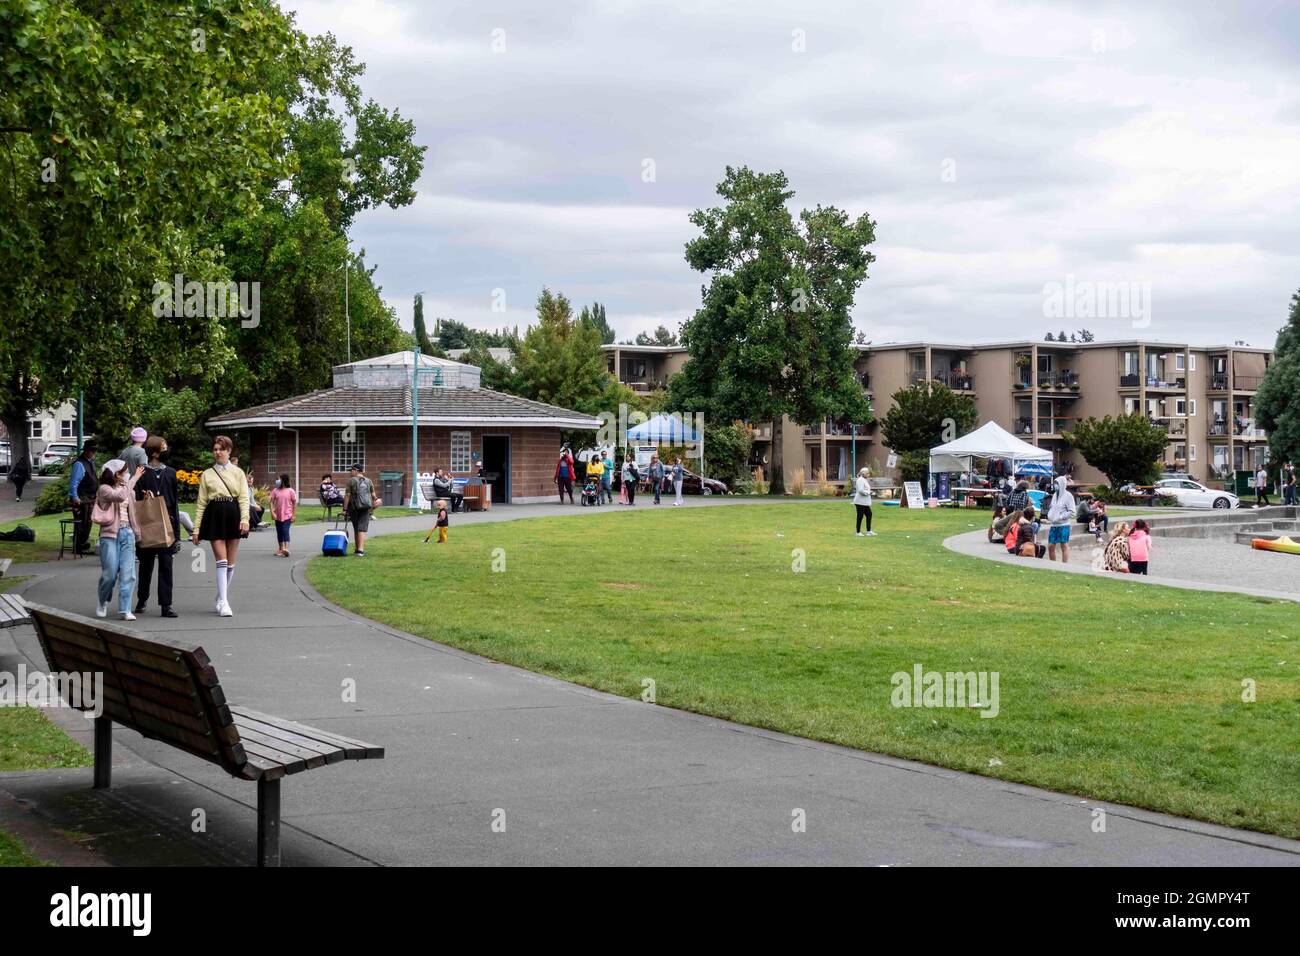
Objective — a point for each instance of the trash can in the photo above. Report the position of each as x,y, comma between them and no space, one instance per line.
390,488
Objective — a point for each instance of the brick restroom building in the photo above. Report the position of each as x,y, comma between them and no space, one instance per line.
366,417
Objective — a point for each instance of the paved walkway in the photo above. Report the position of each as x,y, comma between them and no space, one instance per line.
1196,564
579,777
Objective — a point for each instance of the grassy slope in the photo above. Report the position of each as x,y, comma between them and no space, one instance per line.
1108,689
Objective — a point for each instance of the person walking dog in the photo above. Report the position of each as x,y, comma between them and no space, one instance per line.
114,512
159,481
221,517
862,500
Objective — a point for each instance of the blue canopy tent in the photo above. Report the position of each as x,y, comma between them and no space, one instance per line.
669,430
1034,468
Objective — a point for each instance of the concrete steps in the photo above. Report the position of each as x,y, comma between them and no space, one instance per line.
1228,524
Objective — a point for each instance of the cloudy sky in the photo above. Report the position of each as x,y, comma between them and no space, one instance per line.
1000,148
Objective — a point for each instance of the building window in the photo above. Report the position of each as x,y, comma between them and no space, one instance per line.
272,465
1180,362
348,453
1191,408
35,428
67,428
459,452
1180,407
1191,452
1191,362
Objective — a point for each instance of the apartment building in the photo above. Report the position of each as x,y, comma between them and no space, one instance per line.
1204,396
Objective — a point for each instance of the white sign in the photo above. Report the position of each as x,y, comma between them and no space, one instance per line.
891,461
913,497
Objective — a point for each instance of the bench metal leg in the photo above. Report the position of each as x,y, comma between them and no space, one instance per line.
103,753
268,822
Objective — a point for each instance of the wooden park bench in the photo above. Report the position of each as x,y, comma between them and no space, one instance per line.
168,690
13,610
884,487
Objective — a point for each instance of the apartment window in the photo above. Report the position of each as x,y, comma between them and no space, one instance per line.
1180,362
1220,365
1191,362
1130,363
459,452
67,428
1191,453
1191,408
348,453
35,428
1180,452
272,465
1180,407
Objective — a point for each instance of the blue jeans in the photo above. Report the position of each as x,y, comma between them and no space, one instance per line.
117,566
282,531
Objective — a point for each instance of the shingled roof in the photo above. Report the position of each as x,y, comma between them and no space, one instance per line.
384,406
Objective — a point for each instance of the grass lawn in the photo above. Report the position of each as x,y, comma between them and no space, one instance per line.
1110,690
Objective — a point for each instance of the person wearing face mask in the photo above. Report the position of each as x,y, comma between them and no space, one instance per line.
158,480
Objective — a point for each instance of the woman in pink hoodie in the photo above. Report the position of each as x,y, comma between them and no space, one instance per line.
114,512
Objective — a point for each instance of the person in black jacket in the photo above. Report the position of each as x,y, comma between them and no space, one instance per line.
20,473
82,488
158,480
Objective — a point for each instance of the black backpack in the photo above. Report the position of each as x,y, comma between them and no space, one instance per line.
20,533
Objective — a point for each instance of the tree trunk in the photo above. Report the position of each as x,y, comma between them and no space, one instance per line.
777,485
15,420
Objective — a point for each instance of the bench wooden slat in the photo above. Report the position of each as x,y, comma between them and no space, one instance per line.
287,762
311,759
354,749
331,752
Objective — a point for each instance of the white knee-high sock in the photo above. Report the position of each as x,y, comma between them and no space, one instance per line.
230,575
223,580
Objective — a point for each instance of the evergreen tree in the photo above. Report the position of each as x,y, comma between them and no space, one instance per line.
1277,402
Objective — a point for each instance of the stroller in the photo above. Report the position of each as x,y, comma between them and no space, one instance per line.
591,492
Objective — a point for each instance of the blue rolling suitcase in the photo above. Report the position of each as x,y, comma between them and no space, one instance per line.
335,542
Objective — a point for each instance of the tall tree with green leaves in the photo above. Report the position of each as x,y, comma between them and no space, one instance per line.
421,333
1125,448
926,415
595,317
560,360
772,335
660,336
1277,402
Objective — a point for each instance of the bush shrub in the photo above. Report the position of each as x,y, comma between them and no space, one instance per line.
795,485
53,497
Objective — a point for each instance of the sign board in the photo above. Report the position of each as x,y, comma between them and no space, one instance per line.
913,496
891,461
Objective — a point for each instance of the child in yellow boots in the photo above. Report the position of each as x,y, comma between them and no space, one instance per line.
441,524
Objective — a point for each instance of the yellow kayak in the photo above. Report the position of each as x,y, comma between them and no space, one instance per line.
1283,544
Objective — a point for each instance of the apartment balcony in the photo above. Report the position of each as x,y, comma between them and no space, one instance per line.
1130,381
1176,427
1157,384
1247,430
957,381
1246,383
1053,427
1219,429
864,379
1218,383
761,432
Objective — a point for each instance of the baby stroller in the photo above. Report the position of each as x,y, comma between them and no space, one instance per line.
591,492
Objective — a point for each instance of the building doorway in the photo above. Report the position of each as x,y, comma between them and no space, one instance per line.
496,461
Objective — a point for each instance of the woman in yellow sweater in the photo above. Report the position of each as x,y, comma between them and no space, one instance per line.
222,516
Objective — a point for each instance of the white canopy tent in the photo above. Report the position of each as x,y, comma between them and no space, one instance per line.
990,440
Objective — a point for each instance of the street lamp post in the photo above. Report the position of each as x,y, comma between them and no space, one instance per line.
415,419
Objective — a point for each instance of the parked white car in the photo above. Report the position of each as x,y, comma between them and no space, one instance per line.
56,453
1193,494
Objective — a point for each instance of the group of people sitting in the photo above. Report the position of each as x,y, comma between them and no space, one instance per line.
1016,524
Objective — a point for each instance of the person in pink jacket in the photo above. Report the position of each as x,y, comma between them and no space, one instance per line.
114,512
1139,547
284,500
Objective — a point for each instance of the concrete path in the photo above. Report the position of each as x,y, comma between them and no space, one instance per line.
578,777
1196,564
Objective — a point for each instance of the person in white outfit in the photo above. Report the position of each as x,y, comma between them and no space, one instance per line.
862,500
678,475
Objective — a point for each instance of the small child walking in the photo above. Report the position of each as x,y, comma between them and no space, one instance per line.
1139,547
440,525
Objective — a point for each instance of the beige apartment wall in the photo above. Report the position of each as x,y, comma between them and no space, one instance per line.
994,372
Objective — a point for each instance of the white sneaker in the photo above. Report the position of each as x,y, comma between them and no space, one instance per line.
859,535
216,605
101,610
225,611
128,616
871,534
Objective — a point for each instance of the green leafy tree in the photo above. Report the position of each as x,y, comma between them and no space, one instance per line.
772,335
422,342
660,336
560,360
493,374
726,451
594,315
1277,402
926,415
1125,448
